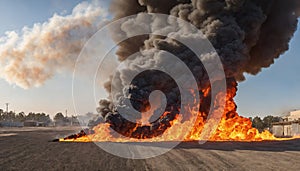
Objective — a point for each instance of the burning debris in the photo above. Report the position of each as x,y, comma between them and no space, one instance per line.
248,36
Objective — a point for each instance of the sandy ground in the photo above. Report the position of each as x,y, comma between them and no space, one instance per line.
29,149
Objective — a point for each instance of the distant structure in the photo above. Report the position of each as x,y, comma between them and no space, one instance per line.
289,127
34,123
67,121
30,123
292,116
73,121
7,104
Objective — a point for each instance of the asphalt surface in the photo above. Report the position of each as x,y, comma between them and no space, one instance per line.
30,149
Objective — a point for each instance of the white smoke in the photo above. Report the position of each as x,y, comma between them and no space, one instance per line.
36,54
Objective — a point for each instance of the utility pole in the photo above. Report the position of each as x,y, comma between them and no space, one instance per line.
72,120
66,113
7,104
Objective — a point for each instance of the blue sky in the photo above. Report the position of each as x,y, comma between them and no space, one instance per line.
15,14
274,91
56,95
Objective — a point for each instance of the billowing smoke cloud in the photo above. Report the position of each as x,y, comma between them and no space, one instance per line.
34,55
247,34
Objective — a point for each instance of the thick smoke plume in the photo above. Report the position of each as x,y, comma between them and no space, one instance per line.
34,55
247,34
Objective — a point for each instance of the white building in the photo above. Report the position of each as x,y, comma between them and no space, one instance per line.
292,116
290,126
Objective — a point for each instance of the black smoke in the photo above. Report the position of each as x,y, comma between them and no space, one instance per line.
247,34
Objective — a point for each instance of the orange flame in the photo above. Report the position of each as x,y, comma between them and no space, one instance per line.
232,127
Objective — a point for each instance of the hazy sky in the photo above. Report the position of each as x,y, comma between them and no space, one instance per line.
274,91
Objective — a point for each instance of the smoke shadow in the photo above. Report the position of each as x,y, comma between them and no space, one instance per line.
271,146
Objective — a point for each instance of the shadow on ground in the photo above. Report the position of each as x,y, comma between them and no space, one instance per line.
272,146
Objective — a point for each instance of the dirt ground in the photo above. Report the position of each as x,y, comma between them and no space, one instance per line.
30,149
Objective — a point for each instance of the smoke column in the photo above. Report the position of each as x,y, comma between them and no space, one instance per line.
34,55
247,34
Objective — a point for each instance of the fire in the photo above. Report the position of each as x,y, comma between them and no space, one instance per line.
243,34
235,129
232,127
